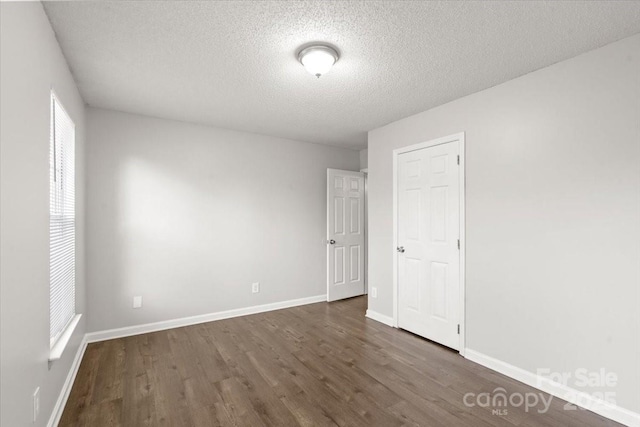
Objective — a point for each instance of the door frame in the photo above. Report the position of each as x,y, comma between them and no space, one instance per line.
364,232
460,138
365,171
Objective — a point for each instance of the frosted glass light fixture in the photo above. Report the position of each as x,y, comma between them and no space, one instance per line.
318,59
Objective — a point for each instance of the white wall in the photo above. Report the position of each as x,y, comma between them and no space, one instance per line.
363,159
553,214
189,216
31,63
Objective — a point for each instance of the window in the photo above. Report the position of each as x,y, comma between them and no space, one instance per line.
62,222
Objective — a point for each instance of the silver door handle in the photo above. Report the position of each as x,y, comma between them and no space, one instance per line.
332,242
400,249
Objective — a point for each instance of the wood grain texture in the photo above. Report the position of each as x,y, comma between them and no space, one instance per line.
317,365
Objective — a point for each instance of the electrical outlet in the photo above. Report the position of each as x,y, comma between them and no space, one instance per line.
36,404
255,287
374,292
137,302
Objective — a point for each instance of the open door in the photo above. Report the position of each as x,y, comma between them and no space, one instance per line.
345,234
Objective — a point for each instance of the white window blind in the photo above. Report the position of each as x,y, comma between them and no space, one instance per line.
62,221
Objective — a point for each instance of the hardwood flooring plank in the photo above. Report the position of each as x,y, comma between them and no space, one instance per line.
82,389
322,365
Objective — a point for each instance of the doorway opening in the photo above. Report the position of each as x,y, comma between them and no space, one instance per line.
346,232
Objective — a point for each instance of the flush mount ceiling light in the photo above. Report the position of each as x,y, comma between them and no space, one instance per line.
318,59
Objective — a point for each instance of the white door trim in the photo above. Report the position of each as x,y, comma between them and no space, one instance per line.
461,170
365,171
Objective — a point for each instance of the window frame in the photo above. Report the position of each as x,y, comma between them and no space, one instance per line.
59,341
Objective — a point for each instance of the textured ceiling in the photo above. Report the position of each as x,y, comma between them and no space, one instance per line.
233,64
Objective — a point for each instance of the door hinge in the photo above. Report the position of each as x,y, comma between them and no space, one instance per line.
458,328
458,159
458,244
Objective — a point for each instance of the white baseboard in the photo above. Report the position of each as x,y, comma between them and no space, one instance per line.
593,404
380,318
56,414
203,318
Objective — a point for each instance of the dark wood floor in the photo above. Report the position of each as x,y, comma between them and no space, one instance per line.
316,365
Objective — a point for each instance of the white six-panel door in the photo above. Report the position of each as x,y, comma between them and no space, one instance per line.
345,234
428,243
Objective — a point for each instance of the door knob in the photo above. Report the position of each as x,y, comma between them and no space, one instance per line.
332,242
400,249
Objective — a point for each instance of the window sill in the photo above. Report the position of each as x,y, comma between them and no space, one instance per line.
58,348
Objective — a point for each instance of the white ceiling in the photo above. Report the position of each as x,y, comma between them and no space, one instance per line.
233,64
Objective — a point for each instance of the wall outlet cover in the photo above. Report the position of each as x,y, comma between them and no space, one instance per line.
374,292
137,302
255,287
